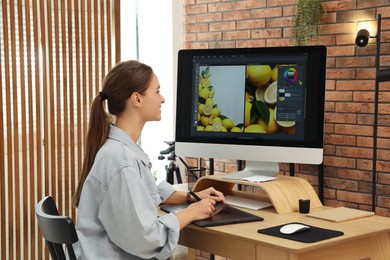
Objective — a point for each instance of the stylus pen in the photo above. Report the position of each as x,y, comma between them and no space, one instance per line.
195,196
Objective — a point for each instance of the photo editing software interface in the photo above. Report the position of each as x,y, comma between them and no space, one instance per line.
250,95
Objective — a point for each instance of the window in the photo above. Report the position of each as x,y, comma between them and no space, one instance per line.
154,38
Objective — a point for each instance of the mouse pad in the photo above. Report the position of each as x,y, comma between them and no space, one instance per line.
314,234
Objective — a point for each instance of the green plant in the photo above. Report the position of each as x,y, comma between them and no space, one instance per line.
307,18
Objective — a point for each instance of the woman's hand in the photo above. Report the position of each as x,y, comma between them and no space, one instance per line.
211,193
196,211
201,209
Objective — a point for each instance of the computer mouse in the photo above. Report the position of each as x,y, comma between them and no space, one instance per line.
293,228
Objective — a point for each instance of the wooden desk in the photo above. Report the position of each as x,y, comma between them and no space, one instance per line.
365,238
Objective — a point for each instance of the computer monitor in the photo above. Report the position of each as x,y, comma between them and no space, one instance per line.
262,105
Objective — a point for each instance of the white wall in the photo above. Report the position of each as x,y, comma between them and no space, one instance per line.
159,38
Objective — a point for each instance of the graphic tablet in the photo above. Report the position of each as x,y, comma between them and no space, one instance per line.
228,215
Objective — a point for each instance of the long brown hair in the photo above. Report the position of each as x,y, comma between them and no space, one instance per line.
120,82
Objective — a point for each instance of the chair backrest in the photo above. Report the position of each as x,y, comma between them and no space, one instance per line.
56,230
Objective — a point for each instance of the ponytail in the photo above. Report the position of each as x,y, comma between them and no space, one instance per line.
99,126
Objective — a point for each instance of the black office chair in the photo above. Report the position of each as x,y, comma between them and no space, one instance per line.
56,230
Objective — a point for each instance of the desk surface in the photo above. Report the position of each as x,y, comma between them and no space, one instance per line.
227,240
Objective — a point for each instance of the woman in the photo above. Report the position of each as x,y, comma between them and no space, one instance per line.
117,197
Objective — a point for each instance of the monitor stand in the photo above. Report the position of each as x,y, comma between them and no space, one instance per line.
255,168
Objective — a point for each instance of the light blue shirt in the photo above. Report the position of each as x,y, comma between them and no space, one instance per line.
117,216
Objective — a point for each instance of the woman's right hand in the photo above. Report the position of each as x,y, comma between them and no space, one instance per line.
196,211
202,209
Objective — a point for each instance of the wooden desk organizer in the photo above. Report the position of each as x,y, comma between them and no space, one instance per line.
283,193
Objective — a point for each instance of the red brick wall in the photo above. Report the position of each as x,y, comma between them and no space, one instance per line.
349,85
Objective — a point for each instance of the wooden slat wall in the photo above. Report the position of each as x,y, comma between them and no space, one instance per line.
54,55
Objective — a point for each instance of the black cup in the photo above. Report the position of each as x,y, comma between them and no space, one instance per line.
304,206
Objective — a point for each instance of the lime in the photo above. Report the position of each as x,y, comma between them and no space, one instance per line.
270,93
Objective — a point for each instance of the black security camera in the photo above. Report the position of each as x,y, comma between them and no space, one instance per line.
362,38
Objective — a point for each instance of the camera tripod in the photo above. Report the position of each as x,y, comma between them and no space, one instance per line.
171,168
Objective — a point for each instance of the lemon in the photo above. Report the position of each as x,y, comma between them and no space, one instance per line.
274,76
208,128
205,120
271,126
210,101
255,128
200,108
207,109
205,82
270,93
247,96
259,75
248,108
228,123
236,130
204,93
207,75
224,129
217,126
215,112
200,128
216,120
198,117
286,123
259,94
200,87
212,93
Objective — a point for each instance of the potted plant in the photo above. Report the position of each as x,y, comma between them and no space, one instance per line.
307,18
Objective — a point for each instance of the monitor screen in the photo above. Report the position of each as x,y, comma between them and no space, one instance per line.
255,104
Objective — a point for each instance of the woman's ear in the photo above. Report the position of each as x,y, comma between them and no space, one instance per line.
136,99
